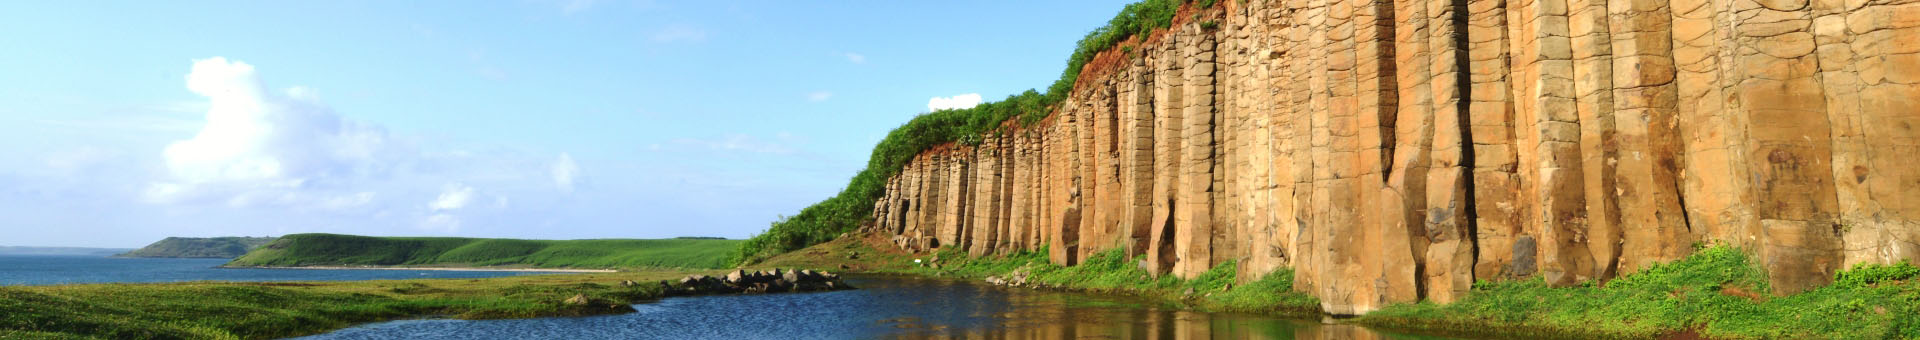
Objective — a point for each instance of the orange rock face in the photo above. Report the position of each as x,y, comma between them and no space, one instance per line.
1393,151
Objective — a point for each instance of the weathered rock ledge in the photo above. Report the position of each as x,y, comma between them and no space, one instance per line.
744,282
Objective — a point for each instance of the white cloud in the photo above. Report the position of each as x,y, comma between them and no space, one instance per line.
955,102
819,96
565,171
259,145
679,33
455,196
856,58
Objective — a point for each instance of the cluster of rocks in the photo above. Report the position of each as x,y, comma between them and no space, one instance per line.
1017,278
766,281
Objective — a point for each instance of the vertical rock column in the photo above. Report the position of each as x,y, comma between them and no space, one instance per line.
986,198
1776,75
1137,159
1168,113
1194,217
1449,219
1870,62
1652,219
1549,128
1401,231
1490,123
1592,52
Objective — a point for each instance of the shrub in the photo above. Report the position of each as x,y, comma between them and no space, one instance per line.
1868,274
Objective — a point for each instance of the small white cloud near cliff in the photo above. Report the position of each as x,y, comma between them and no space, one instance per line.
964,101
455,196
564,171
819,96
856,58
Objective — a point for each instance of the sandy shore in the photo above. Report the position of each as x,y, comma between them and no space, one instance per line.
459,269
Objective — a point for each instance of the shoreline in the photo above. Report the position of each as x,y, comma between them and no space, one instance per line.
450,269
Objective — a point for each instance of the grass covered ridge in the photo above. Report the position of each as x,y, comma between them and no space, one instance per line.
1718,292
239,310
331,250
845,211
199,247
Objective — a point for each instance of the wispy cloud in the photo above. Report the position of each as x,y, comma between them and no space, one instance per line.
454,197
819,96
856,58
565,172
955,102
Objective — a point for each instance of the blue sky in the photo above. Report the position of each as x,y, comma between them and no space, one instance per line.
122,123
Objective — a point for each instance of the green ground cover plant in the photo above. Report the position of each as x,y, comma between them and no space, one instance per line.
1718,292
259,310
1113,272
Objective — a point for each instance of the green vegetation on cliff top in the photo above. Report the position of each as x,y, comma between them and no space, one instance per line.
854,204
199,247
348,250
264,310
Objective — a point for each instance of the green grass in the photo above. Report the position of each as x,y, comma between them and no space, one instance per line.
224,310
846,210
1709,292
330,249
1112,272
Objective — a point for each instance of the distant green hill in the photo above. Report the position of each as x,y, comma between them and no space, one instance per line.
349,250
199,247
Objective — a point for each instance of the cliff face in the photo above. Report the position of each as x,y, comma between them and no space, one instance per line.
1391,151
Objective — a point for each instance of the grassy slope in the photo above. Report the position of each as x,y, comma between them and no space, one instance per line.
222,310
330,249
199,247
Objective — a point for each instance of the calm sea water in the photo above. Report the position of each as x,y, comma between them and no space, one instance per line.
884,308
53,269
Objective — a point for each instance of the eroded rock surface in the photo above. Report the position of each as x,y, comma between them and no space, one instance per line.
1392,151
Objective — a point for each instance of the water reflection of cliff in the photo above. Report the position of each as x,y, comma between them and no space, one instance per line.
969,311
